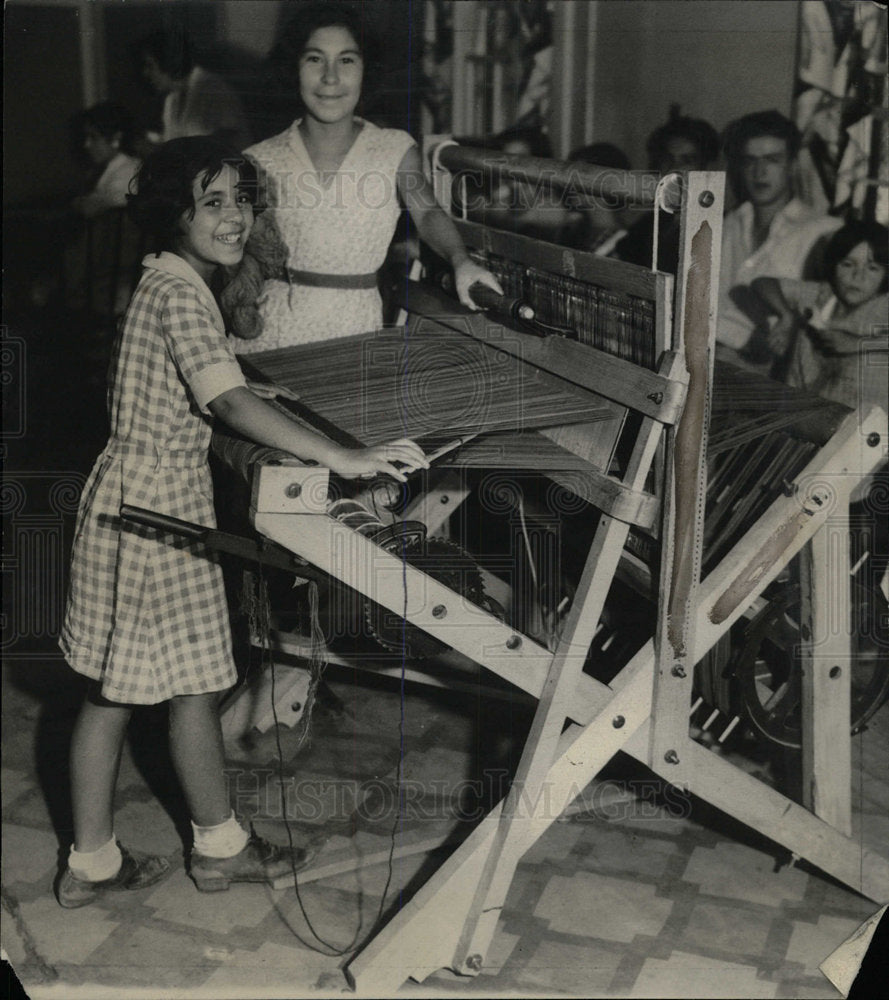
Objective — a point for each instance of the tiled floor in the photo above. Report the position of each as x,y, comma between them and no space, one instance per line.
623,898
626,896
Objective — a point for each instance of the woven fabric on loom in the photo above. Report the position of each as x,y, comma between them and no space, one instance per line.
431,384
614,322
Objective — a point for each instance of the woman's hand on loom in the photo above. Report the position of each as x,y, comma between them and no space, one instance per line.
396,459
466,274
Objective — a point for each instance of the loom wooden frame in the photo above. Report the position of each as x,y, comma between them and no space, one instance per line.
451,920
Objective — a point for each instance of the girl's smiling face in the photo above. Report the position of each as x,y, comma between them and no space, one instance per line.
858,277
217,230
331,70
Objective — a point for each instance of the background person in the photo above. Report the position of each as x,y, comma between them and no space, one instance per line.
196,102
680,144
597,224
770,234
826,337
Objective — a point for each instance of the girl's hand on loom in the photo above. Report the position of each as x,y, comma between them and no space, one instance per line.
270,390
466,274
394,459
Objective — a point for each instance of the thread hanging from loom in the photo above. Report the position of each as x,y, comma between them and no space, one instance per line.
317,663
255,604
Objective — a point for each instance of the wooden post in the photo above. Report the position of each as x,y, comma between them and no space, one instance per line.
683,517
825,623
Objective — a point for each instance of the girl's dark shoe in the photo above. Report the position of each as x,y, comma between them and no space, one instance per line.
137,871
259,861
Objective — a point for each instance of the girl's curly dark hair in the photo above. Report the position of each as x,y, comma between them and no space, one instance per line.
161,192
844,241
310,17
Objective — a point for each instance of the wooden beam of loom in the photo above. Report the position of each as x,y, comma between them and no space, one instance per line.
553,678
685,492
414,943
450,921
638,186
779,535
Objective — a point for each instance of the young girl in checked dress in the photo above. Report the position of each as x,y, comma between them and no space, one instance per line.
335,184
146,618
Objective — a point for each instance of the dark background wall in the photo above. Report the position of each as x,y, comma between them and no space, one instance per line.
47,46
43,88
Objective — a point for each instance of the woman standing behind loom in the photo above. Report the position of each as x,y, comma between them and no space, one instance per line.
333,186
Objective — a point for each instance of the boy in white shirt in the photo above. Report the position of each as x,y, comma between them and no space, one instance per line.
771,234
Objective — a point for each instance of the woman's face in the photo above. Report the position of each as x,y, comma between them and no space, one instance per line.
858,277
330,73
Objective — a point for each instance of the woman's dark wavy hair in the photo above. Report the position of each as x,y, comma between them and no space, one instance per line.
844,241
307,18
163,186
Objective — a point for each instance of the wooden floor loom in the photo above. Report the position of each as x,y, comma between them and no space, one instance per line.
633,442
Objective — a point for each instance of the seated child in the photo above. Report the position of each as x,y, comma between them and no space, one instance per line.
831,339
106,128
828,335
98,263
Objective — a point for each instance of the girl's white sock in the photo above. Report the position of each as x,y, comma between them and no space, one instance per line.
221,841
96,866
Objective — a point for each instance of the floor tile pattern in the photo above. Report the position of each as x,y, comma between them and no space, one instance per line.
624,896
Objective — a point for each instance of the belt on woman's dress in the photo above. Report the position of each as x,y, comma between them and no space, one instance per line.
316,280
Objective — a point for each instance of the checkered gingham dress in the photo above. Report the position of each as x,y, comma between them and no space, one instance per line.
146,612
